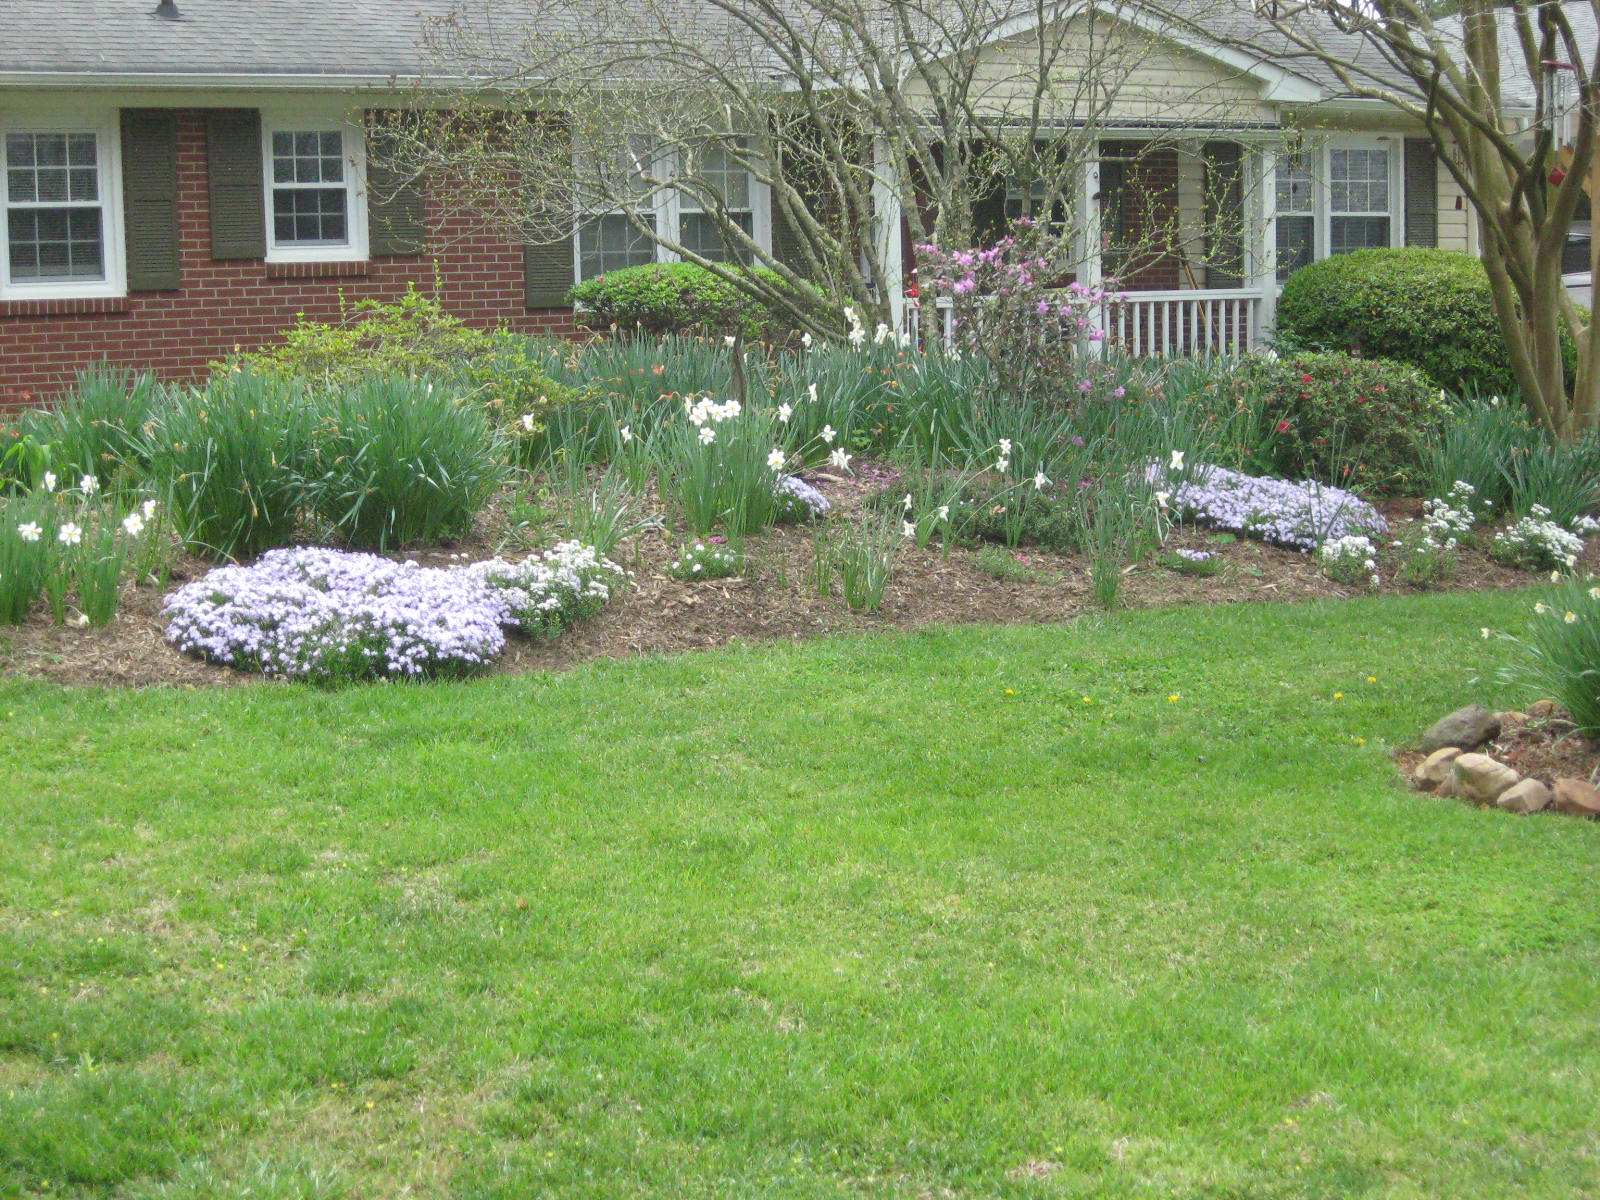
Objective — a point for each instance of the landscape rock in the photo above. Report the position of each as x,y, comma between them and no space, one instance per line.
1529,796
1576,798
1479,778
1468,728
1436,767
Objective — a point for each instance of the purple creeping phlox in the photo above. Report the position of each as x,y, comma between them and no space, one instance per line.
1300,516
321,615
316,614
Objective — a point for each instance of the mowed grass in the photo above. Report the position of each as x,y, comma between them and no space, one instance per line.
1130,907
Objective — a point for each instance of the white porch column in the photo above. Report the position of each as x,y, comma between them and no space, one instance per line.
886,217
1264,256
1091,263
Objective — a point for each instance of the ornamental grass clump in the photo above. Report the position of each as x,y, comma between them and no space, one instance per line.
330,616
545,594
232,456
1300,516
397,461
1559,656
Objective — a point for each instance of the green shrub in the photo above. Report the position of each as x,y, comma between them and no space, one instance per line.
1429,308
1355,422
415,336
397,460
232,457
671,298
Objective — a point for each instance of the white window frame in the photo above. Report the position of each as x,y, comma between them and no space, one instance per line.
667,207
319,120
1320,157
107,130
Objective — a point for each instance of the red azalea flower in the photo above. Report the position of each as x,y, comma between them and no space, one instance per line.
1305,379
1283,427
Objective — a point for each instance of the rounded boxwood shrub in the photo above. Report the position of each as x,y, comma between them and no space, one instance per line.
1429,308
671,298
1356,422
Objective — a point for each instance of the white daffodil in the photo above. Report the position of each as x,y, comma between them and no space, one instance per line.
906,503
1002,465
29,531
527,422
1005,446
907,529
707,435
728,341
49,481
1541,608
828,434
133,523
805,340
626,433
1161,499
785,412
1040,482
148,508
1571,618
775,459
881,334
812,392
69,534
88,485
943,512
838,458
1177,461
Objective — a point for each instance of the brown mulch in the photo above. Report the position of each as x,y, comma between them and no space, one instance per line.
774,601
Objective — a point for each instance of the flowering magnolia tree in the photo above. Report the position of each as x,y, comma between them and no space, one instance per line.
1016,305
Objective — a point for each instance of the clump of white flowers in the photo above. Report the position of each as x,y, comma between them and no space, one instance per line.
1351,559
1537,543
706,559
546,593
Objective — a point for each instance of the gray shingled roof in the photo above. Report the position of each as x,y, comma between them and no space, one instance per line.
371,39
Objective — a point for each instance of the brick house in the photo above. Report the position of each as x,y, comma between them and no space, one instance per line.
183,178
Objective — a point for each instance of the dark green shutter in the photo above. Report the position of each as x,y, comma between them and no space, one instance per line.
150,197
1422,193
238,202
988,207
1224,214
396,216
548,273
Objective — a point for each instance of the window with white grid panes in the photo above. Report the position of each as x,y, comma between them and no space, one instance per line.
1358,198
310,205
1296,214
721,172
55,201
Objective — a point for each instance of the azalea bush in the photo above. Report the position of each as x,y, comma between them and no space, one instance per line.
1356,422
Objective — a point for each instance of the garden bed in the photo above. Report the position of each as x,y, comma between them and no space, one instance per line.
772,600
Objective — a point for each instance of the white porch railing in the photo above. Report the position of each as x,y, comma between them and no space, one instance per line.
1183,324
1174,324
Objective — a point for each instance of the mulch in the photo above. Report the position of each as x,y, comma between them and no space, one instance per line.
775,600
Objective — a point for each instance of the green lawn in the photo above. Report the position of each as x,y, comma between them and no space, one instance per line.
1132,907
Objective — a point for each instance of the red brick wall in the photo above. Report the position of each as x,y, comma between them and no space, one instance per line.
222,305
1149,216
